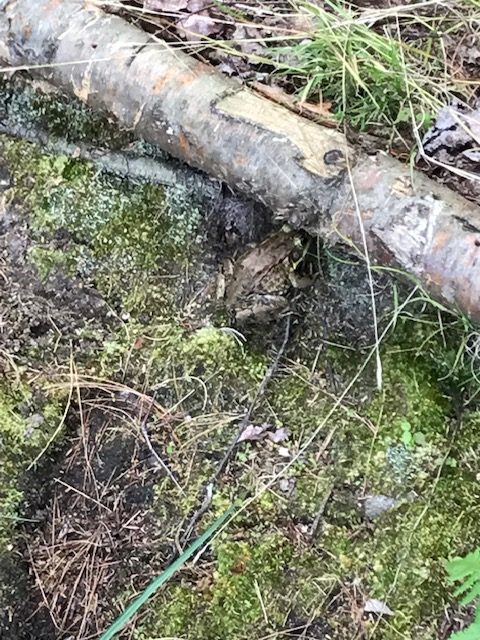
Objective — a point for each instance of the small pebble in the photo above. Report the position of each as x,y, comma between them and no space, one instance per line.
374,506
35,420
286,485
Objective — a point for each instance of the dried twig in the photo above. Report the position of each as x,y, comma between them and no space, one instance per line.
209,487
321,510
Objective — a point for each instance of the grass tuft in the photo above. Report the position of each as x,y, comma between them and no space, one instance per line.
364,63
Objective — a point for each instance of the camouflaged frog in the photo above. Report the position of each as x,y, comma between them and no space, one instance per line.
258,281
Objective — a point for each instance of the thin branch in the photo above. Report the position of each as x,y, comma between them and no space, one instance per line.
208,489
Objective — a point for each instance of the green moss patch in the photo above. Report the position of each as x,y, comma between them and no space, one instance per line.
24,433
235,598
122,238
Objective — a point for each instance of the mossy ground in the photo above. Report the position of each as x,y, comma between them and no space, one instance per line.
398,558
27,425
141,251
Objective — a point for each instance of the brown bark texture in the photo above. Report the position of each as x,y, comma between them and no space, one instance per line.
305,173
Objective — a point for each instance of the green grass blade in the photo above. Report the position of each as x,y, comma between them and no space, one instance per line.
134,606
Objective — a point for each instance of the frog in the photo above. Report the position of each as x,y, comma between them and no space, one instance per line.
258,281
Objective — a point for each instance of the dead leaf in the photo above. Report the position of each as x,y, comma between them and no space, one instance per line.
198,24
279,435
301,23
248,40
253,432
165,5
378,607
284,452
227,68
455,136
251,267
198,5
139,342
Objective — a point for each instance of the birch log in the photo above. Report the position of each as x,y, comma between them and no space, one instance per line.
305,173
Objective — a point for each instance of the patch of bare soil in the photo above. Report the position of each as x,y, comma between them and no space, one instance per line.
89,532
93,535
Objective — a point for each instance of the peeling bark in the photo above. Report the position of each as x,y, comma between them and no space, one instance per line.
294,166
415,225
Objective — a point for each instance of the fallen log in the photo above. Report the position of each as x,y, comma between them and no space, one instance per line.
306,174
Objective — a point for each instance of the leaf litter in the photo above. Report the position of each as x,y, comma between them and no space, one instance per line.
254,433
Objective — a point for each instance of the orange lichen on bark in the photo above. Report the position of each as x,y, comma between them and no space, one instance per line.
177,77
184,144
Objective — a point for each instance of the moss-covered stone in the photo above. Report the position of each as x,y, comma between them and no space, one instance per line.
128,240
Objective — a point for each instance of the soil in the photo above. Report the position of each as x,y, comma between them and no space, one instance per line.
93,526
